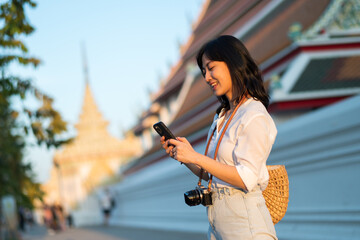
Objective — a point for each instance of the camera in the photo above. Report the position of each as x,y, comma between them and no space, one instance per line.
199,195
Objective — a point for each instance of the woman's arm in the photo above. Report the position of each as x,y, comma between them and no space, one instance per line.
186,154
193,167
222,171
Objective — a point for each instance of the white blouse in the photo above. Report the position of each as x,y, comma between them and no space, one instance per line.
246,144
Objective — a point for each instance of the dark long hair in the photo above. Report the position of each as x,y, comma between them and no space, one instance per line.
245,75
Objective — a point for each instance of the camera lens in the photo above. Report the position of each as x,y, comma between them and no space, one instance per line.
192,197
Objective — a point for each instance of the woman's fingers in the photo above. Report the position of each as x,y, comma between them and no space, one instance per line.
183,140
165,145
171,146
173,142
173,153
163,142
169,149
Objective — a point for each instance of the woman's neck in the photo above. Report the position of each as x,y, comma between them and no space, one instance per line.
233,104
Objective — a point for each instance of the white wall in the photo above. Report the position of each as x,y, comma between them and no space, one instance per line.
321,151
88,212
153,198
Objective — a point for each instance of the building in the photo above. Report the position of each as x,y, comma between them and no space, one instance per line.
309,54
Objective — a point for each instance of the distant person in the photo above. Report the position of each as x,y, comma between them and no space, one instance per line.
55,220
22,218
237,160
59,211
70,220
29,217
106,205
47,216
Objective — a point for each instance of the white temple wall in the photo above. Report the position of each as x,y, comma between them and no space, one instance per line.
88,212
153,198
321,151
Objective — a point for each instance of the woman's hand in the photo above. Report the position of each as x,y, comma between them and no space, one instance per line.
182,150
168,148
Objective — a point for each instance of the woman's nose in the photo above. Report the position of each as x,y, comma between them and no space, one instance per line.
207,76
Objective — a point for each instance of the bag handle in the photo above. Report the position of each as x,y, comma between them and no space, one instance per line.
218,143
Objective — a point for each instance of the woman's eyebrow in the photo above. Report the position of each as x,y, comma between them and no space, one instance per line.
207,65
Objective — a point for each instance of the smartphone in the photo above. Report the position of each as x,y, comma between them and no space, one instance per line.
162,130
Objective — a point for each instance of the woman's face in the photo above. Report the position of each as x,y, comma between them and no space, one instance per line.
217,75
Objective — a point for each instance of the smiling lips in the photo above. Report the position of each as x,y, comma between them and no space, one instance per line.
213,85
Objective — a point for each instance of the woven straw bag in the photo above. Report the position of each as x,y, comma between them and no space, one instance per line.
276,193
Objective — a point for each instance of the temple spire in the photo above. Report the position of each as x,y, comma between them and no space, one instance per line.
85,65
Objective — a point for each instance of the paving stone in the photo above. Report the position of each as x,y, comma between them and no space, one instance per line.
108,233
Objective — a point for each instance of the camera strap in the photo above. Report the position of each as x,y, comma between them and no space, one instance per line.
219,141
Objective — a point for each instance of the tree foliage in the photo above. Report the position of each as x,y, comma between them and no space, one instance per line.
44,122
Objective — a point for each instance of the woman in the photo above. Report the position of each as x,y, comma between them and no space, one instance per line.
238,210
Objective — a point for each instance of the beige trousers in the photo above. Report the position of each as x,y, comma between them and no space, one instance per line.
236,215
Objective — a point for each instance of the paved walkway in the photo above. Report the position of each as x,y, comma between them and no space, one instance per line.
109,233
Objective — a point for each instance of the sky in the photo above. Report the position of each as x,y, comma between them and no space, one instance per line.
129,46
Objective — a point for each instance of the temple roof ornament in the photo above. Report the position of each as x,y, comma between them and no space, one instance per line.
340,16
93,140
86,72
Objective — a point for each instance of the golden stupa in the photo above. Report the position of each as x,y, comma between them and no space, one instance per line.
90,160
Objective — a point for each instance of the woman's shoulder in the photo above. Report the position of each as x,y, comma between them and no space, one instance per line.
252,109
256,106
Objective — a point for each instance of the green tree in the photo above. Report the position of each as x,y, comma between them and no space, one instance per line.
16,123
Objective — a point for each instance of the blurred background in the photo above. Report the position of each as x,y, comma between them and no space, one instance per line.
83,82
